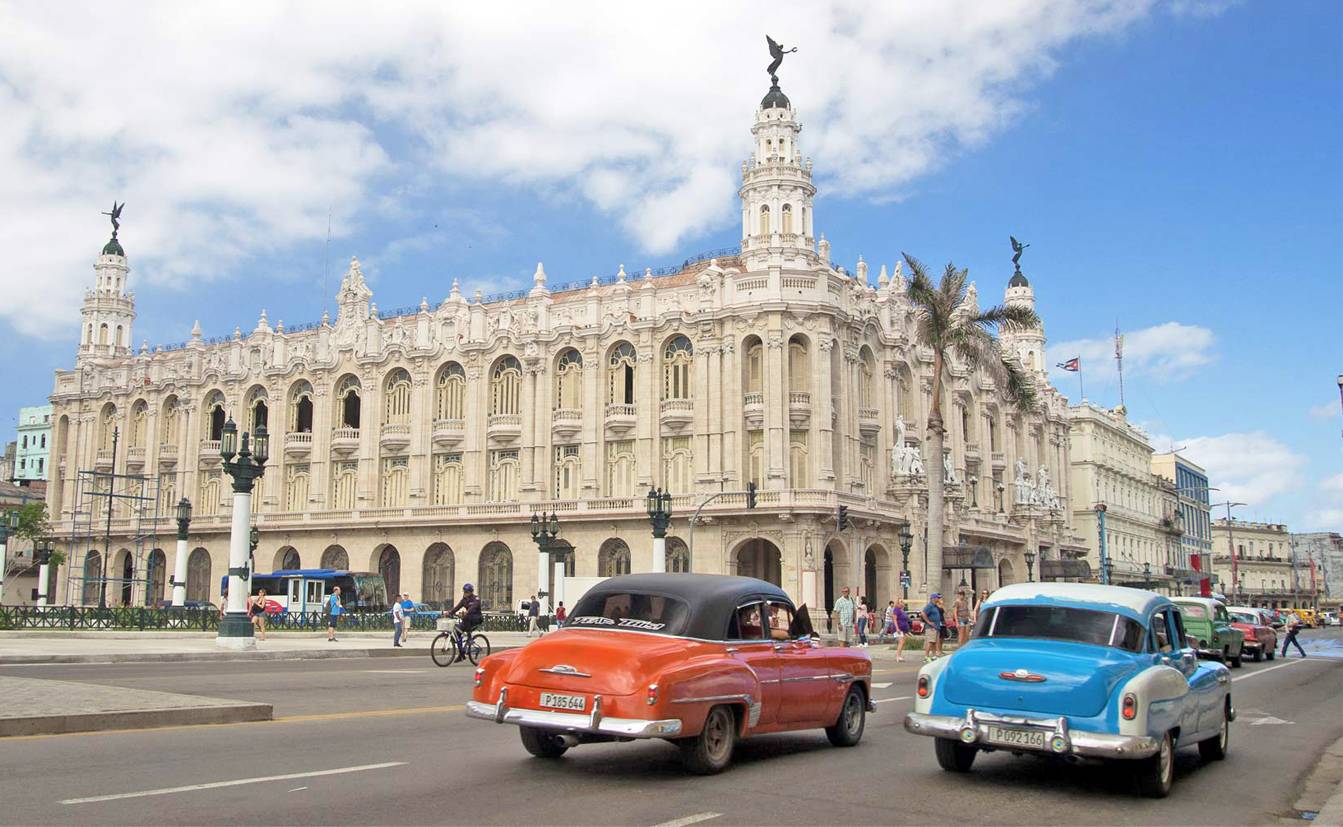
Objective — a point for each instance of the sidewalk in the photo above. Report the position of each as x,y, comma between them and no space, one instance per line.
45,707
40,646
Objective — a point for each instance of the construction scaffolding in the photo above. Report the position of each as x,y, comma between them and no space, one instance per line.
115,558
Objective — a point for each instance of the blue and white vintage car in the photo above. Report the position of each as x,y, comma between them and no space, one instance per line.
1079,671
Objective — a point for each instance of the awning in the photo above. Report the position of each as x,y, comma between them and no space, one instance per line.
967,557
1065,570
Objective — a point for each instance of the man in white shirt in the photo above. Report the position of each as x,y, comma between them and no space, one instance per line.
398,619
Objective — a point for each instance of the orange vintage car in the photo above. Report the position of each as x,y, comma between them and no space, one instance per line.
697,659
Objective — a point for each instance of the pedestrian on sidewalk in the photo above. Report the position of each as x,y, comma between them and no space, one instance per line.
888,622
933,623
902,629
844,610
533,617
408,609
256,610
961,608
862,621
333,612
1292,630
398,622
560,615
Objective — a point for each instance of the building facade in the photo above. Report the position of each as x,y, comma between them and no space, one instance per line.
1262,573
34,449
1112,467
8,461
1325,550
419,443
1188,491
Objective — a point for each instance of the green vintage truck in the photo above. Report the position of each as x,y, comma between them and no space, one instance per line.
1208,625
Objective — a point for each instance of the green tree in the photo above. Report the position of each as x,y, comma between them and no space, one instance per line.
35,527
954,331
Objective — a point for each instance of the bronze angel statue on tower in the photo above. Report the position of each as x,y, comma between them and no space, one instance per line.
776,51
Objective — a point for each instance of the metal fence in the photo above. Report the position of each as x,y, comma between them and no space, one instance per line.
139,618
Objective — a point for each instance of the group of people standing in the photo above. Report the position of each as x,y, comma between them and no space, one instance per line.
855,620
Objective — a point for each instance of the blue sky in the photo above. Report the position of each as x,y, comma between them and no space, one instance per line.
1176,167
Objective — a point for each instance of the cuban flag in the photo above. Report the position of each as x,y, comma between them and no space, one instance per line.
1074,364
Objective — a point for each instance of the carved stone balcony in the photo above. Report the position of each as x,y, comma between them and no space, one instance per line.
504,427
972,450
298,444
753,409
448,432
799,408
620,418
135,456
998,458
566,421
395,437
209,452
677,413
345,440
167,454
868,421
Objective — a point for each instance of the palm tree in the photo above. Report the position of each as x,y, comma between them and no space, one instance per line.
954,330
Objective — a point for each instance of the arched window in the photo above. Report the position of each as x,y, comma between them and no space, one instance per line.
787,218
155,572
395,481
678,556
764,219
214,416
347,402
300,407
755,365
504,475
107,426
336,558
450,392
119,341
296,487
288,559
447,479
168,428
506,387
676,464
139,422
102,335
396,408
866,374
676,358
569,381
437,586
799,365
620,468
496,578
209,496
620,378
92,580
798,464
613,559
566,469
258,409
344,485
198,575
389,566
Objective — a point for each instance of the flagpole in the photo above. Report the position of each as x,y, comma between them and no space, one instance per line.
1081,391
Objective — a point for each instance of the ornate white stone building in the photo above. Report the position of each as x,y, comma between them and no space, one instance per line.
420,443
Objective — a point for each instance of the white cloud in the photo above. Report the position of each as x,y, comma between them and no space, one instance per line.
1163,352
1324,410
231,129
1248,467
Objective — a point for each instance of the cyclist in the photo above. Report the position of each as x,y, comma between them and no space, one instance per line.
469,610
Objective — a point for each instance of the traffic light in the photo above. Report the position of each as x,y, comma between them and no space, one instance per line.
841,517
750,495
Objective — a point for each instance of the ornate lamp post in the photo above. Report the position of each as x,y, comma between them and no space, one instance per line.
659,514
253,540
544,533
9,523
180,562
235,630
1106,565
1107,570
906,540
1030,566
1147,575
43,558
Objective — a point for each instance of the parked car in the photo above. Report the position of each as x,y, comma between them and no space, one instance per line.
1307,616
1329,619
1260,639
698,659
1077,671
1207,620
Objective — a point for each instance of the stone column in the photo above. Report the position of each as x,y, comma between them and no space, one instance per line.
776,412
823,402
180,574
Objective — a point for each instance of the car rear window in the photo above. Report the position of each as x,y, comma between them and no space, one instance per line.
630,610
1194,610
1063,623
1242,617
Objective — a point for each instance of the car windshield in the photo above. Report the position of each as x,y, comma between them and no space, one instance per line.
1063,623
1194,610
1242,617
630,610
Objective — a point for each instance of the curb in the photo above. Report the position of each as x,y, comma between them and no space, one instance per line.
233,713
221,656
1332,812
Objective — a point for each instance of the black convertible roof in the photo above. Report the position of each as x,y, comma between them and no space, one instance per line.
712,597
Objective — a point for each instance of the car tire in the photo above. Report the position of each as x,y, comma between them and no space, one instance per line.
847,731
1273,653
541,743
953,756
1224,656
1236,661
1259,654
711,751
1214,748
1156,774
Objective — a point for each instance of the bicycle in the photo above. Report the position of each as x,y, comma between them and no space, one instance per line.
450,643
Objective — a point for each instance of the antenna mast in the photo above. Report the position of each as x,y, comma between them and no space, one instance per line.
326,257
1119,360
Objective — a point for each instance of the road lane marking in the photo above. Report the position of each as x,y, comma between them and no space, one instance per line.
886,685
395,671
888,700
687,820
235,783
1259,672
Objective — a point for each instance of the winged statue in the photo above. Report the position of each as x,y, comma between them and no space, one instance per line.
1017,247
776,51
115,215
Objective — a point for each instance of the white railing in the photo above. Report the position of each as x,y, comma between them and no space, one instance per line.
396,432
298,440
801,399
678,406
754,399
167,451
345,435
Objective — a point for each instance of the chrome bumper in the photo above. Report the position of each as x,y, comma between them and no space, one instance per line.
593,722
1059,739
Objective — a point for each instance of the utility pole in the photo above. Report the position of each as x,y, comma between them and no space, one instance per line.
1119,360
1231,542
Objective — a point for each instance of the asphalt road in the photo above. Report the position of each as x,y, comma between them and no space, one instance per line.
406,755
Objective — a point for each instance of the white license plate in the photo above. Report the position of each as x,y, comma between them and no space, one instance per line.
1027,738
573,703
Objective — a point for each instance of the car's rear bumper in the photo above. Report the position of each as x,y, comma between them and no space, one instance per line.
1059,738
593,722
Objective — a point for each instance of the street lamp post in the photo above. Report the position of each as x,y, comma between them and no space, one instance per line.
659,514
1231,546
544,533
906,540
235,630
1147,575
1030,566
180,562
9,524
43,559
1105,557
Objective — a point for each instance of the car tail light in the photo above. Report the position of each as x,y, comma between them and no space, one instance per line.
923,686
480,675
1130,708
652,694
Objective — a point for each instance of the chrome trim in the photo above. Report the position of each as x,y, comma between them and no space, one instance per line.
753,714
1080,742
843,677
595,716
570,722
501,705
709,698
806,678
565,669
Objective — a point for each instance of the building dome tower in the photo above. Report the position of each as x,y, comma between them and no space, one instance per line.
1028,345
109,308
776,189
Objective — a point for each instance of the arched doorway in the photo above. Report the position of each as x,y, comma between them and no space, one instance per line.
335,558
157,568
496,578
288,558
126,568
389,566
678,556
761,559
198,575
438,575
93,572
1006,576
613,559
